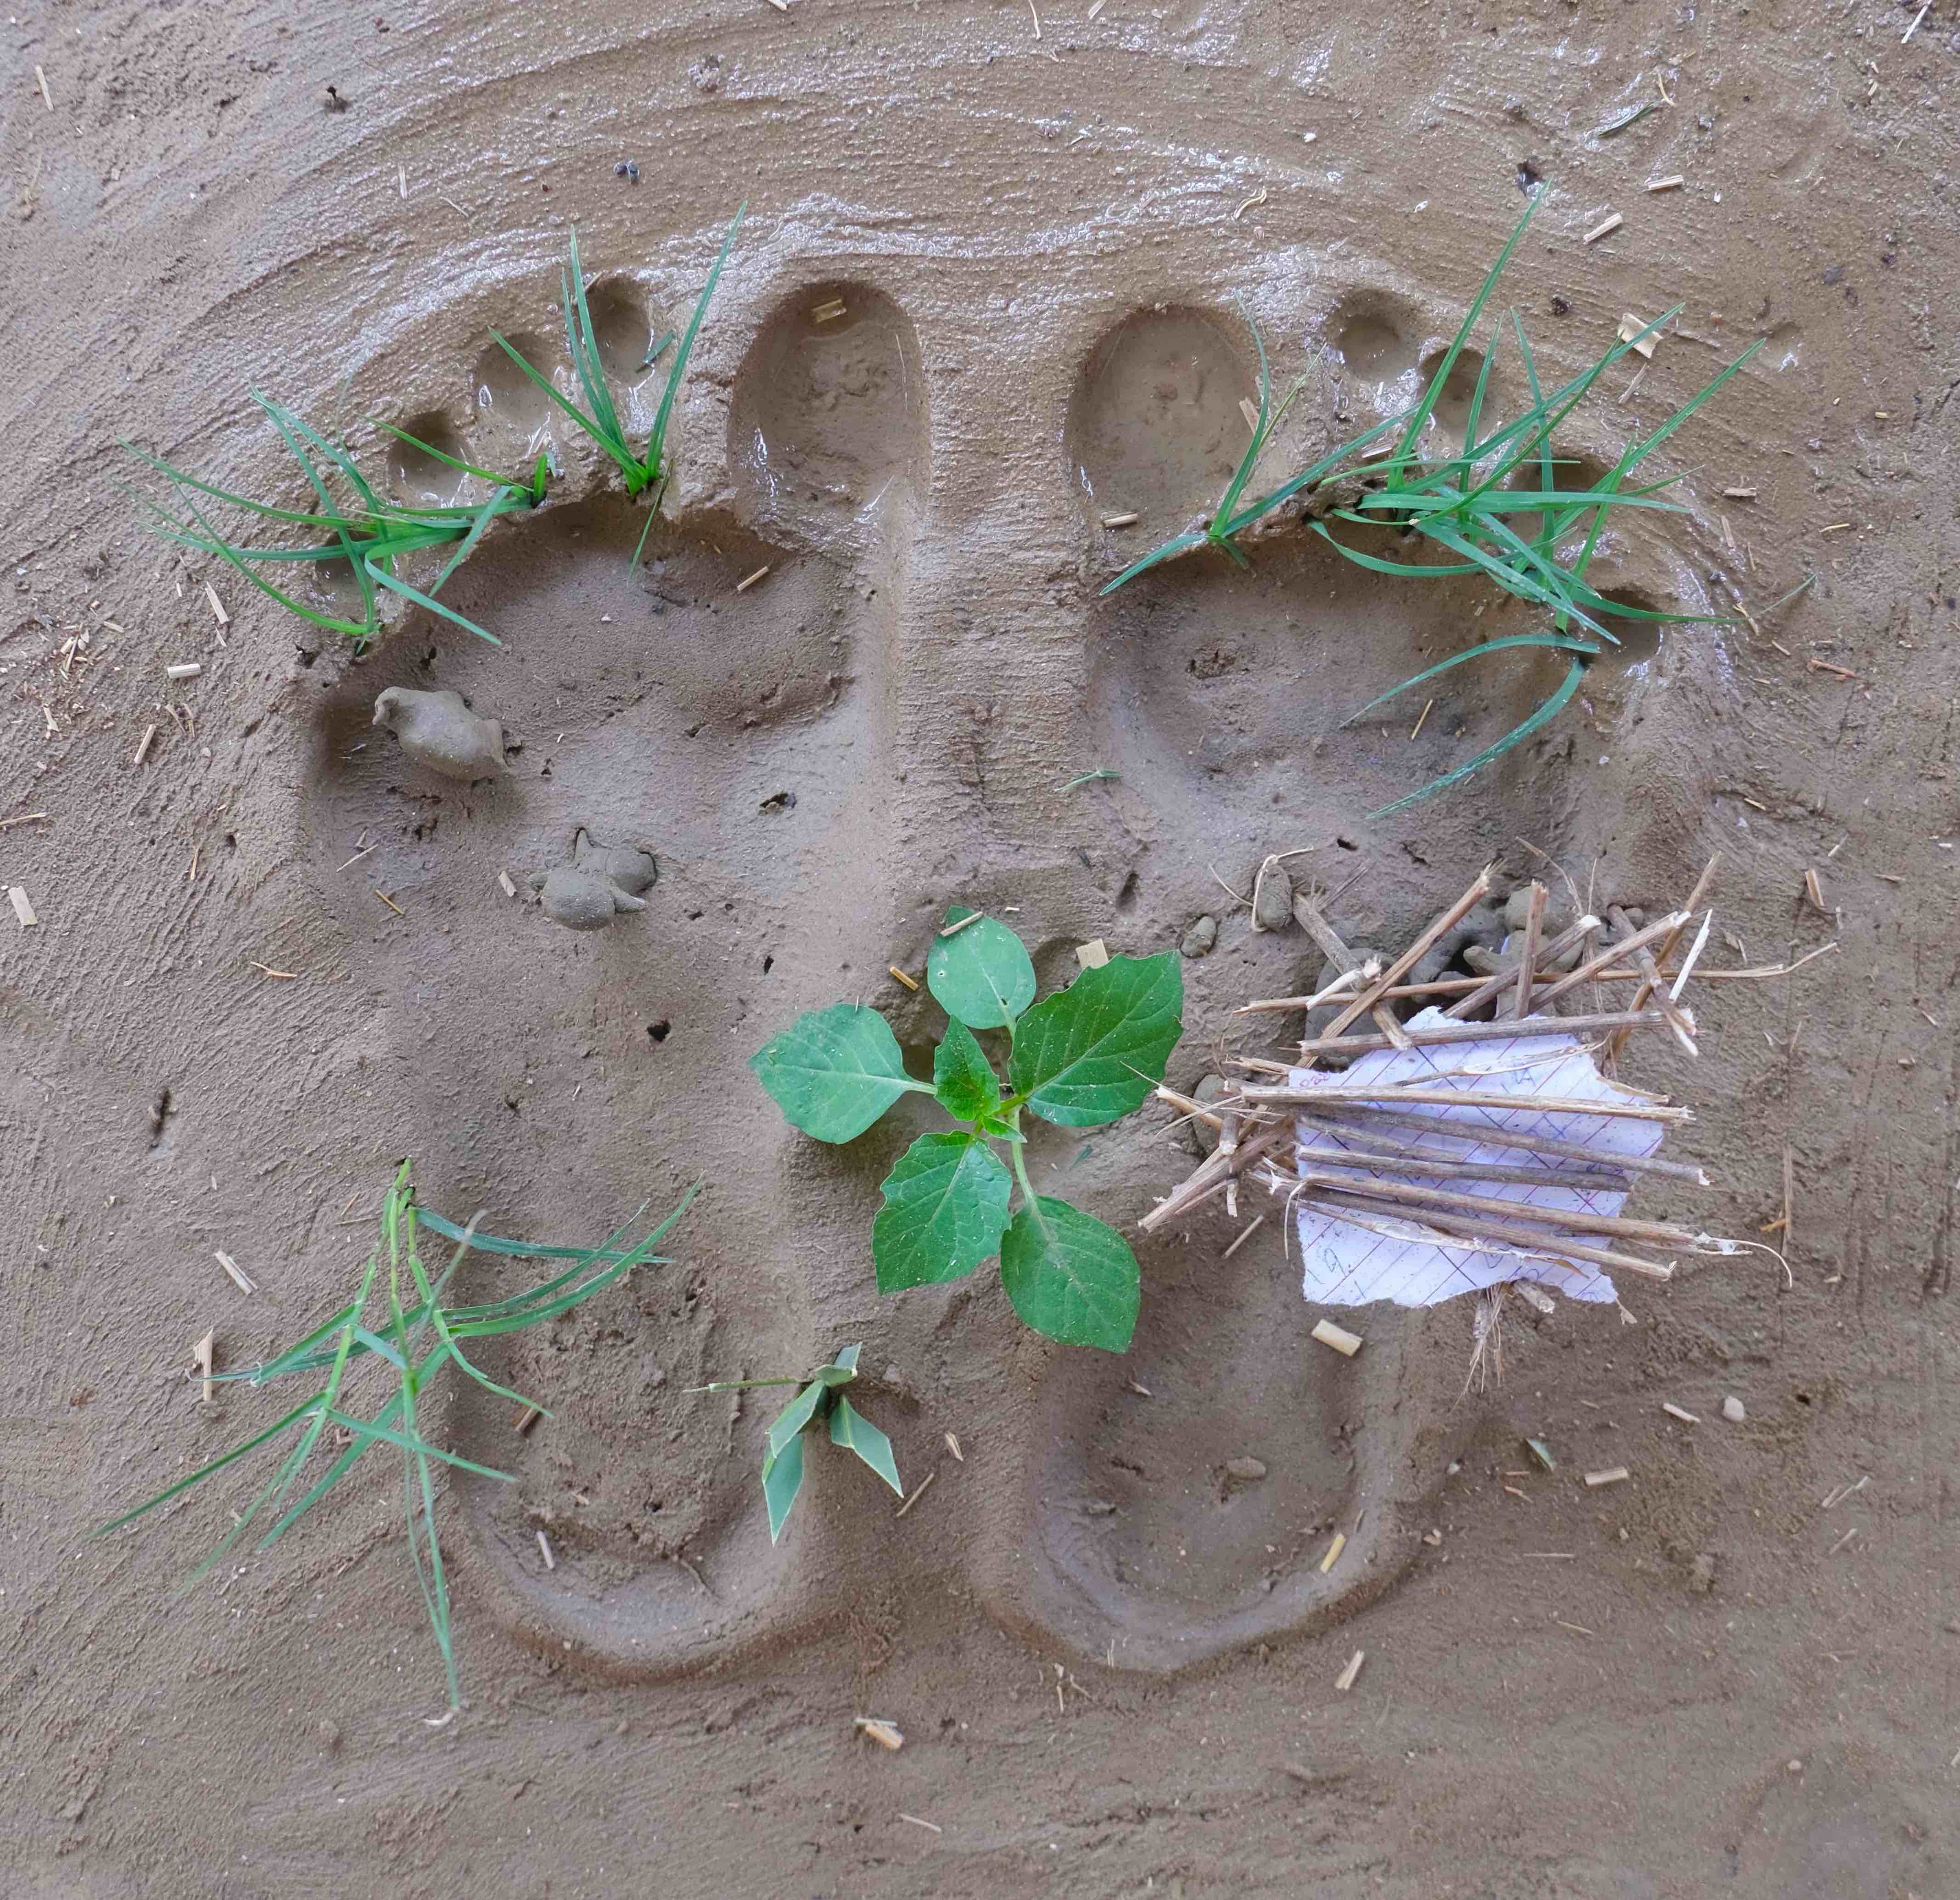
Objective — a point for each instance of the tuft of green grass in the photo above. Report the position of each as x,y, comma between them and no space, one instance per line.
1463,505
369,532
415,1336
640,469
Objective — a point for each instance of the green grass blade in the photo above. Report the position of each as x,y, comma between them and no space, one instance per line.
182,479
467,546
289,423
1307,478
1558,640
203,1471
1180,544
582,342
1243,474
1404,570
1425,407
657,441
1551,709
434,606
385,1435
362,631
448,461
628,464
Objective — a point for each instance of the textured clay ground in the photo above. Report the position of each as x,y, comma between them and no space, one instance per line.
1115,1664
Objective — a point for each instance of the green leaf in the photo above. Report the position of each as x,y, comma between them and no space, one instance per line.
782,1479
962,1078
795,1415
841,1369
852,1430
980,976
1069,1276
833,1072
1096,1050
946,1203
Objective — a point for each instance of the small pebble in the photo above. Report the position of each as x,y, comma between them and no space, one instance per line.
1245,1471
1732,1410
1199,939
1272,897
1207,1091
628,170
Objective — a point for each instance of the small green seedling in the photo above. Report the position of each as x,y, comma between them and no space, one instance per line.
416,1336
640,469
1463,503
369,533
820,1400
1083,1056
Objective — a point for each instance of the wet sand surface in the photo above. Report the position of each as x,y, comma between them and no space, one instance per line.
1114,1660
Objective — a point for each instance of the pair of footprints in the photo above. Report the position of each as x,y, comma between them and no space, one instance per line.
924,692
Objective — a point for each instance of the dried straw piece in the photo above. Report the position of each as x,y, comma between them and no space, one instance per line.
1479,1230
1493,985
1372,1116
1528,955
1345,1343
1505,1026
1479,888
1346,1093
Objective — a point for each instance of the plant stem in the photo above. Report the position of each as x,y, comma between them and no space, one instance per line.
1015,1154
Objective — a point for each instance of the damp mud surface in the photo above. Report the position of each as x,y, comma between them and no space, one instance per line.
993,293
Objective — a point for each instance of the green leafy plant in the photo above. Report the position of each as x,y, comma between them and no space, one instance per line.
820,1401
1465,505
415,1336
365,530
1081,1057
640,469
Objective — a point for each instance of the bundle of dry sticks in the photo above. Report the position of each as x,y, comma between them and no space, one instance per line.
1403,1130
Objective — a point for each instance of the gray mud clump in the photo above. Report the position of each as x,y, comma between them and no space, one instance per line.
601,881
438,730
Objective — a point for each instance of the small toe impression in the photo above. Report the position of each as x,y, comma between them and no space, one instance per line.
1156,427
828,417
512,412
1377,337
1451,415
417,475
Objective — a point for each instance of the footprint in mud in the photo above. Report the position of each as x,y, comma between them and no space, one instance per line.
737,734
1179,1504
812,762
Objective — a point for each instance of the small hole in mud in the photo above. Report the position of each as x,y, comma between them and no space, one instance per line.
1459,389
659,1032
1370,335
768,964
1346,844
1640,640
419,475
620,328
1126,896
503,395
231,840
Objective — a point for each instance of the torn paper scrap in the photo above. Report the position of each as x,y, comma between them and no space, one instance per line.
1353,1258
